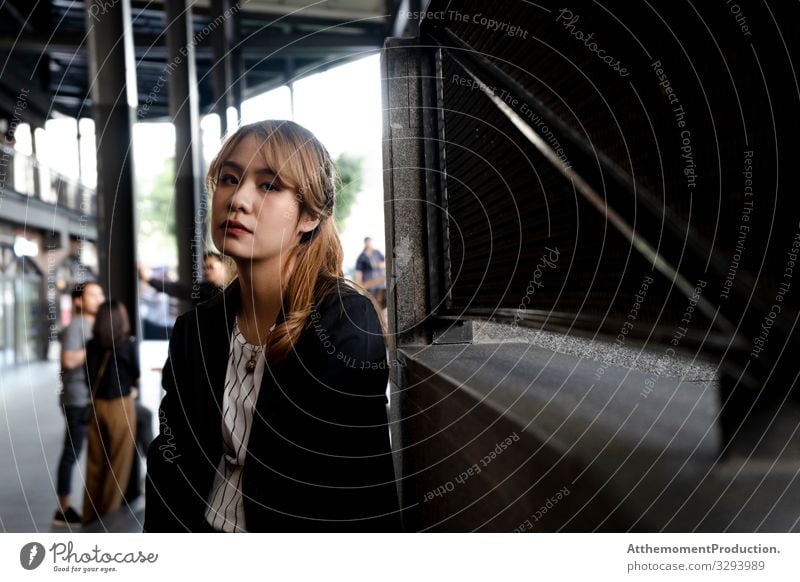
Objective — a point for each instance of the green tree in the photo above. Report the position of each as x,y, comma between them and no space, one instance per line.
156,213
156,207
350,177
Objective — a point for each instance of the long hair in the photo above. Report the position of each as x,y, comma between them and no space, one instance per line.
316,262
112,326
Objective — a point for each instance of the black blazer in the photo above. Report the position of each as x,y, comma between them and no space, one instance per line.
318,457
121,372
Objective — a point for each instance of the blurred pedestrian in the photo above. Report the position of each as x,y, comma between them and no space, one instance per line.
113,367
371,272
216,274
75,398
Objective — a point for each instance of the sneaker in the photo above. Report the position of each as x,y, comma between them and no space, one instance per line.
68,517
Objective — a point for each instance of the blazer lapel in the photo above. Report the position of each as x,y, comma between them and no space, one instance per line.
270,381
215,324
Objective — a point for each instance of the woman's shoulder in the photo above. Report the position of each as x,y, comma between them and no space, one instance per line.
346,321
219,298
126,349
341,299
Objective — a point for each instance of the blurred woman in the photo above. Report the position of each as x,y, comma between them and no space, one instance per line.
113,370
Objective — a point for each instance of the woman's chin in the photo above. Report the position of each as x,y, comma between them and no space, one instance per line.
237,255
243,258
233,248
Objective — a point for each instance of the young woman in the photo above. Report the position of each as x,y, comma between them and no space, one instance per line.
274,415
113,370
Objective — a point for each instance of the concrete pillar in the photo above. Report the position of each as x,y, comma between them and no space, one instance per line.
404,179
183,107
414,274
114,100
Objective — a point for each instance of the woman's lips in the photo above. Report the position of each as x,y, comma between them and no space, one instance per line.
235,228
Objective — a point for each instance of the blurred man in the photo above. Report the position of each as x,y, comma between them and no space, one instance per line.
371,272
75,397
216,273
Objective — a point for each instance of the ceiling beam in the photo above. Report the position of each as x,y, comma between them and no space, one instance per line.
298,14
267,39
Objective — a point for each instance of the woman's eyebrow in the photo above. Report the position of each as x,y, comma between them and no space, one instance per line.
238,168
233,165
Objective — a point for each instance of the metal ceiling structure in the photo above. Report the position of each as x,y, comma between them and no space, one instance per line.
120,62
44,48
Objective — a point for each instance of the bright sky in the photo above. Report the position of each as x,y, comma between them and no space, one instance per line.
342,106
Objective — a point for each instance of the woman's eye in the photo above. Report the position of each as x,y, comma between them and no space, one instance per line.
229,179
270,187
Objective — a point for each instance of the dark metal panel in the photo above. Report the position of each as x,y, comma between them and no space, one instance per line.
637,173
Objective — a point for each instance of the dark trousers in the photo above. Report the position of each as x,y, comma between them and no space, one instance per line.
144,436
77,422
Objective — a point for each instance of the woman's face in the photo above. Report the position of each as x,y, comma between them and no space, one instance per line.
254,215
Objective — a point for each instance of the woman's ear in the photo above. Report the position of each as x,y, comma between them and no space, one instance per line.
307,223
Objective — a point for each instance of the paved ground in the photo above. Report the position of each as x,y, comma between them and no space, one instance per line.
31,433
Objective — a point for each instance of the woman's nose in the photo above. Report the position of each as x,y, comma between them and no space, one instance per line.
240,202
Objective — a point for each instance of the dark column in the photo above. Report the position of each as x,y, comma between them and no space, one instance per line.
37,180
114,98
221,68
6,157
402,24
183,108
78,145
227,71
290,72
237,68
412,27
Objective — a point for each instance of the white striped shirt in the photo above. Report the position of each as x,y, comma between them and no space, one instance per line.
225,507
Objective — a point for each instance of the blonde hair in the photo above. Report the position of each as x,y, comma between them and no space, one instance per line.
303,164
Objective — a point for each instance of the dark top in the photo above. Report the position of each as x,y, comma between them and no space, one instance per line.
194,293
369,264
318,457
121,371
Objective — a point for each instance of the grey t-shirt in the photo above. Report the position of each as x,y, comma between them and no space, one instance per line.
74,337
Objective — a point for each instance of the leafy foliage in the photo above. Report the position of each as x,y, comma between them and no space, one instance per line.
156,207
350,173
